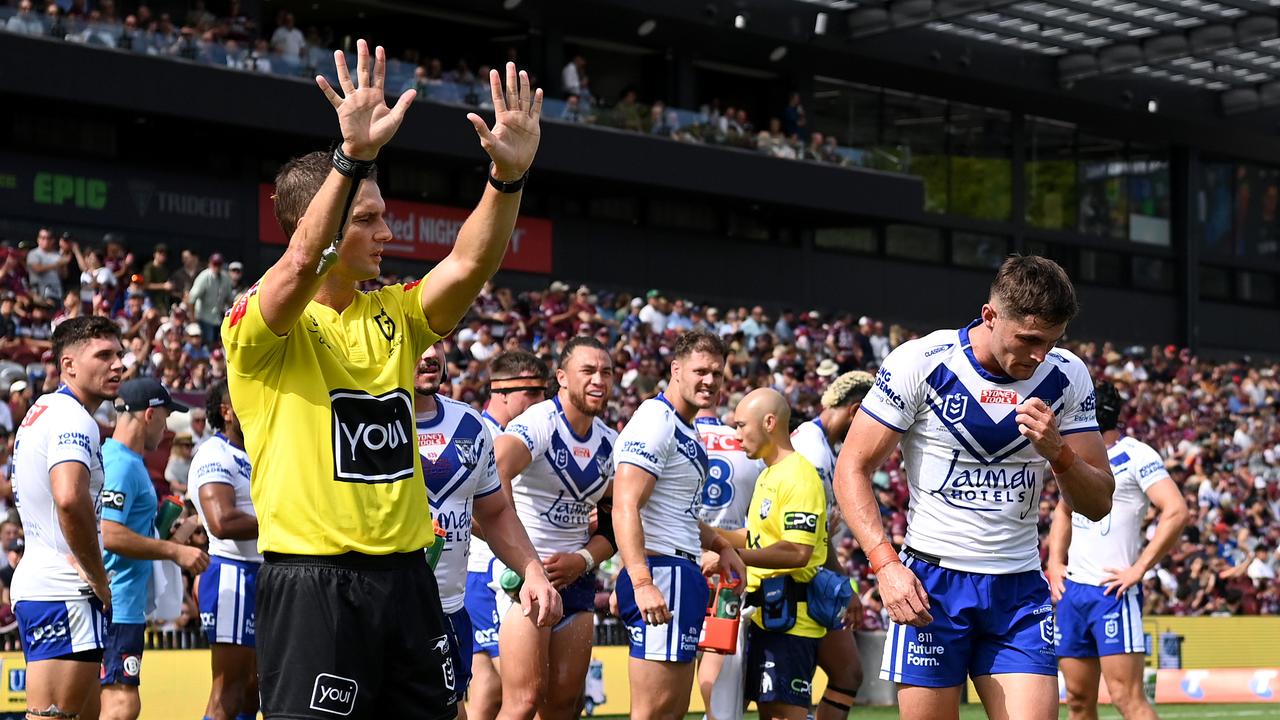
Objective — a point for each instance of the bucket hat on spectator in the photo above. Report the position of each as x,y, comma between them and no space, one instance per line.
557,286
827,368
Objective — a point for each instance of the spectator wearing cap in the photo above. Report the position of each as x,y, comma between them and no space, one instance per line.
129,509
44,267
210,298
194,351
238,282
654,312
557,312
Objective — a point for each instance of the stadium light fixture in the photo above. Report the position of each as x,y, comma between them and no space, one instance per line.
740,21
1153,105
820,24
511,4
647,27
778,53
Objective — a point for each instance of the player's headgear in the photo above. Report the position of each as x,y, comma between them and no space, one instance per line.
1109,404
848,389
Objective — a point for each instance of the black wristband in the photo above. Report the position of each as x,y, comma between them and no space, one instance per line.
351,167
504,186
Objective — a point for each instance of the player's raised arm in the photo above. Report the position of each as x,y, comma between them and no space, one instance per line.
482,241
1079,460
366,123
866,448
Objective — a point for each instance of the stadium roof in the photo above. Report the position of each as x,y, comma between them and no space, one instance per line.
1227,47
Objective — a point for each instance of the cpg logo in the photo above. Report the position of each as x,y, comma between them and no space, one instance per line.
371,436
954,407
334,694
113,499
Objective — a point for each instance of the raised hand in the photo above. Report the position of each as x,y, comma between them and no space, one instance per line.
513,140
363,116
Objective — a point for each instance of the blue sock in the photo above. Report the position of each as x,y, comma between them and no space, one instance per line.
247,716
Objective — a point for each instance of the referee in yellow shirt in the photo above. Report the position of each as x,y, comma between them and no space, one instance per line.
348,613
783,546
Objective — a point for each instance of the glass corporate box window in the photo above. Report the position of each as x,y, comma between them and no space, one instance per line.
1237,210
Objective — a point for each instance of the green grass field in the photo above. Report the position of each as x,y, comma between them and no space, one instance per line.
1167,712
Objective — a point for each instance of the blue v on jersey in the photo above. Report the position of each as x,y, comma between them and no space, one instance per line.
975,482
568,475
459,466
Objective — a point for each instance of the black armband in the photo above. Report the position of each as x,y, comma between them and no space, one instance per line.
604,522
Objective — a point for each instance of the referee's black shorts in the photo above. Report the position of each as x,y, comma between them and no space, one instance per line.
354,636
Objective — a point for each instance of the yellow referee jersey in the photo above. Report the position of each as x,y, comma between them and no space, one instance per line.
789,503
328,422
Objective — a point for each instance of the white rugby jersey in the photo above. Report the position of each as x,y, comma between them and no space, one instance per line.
569,474
218,461
975,481
480,555
731,476
1115,541
810,440
661,443
459,466
56,429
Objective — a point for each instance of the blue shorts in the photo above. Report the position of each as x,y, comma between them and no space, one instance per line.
576,598
780,667
459,631
685,589
122,657
482,605
1090,624
53,629
227,591
982,625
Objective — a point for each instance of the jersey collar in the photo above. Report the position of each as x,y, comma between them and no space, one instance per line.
817,422
227,440
434,419
973,360
665,401
565,420
492,419
707,421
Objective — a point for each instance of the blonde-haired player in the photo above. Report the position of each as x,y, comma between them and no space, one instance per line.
816,440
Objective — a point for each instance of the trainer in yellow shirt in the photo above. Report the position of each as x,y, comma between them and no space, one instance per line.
783,546
348,613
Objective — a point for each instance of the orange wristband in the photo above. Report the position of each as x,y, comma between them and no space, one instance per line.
882,555
1066,458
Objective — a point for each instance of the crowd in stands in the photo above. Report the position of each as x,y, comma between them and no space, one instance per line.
236,41
1216,424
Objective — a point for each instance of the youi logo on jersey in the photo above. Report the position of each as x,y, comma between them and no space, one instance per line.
372,436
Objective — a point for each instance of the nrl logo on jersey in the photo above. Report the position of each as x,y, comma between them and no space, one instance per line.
561,458
954,407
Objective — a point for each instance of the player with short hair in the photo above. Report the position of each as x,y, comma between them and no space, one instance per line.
556,461
348,612
129,508
784,545
661,465
462,482
815,440
983,414
1095,572
726,495
517,380
60,591
227,590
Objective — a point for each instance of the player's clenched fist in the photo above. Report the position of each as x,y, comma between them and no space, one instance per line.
1037,423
